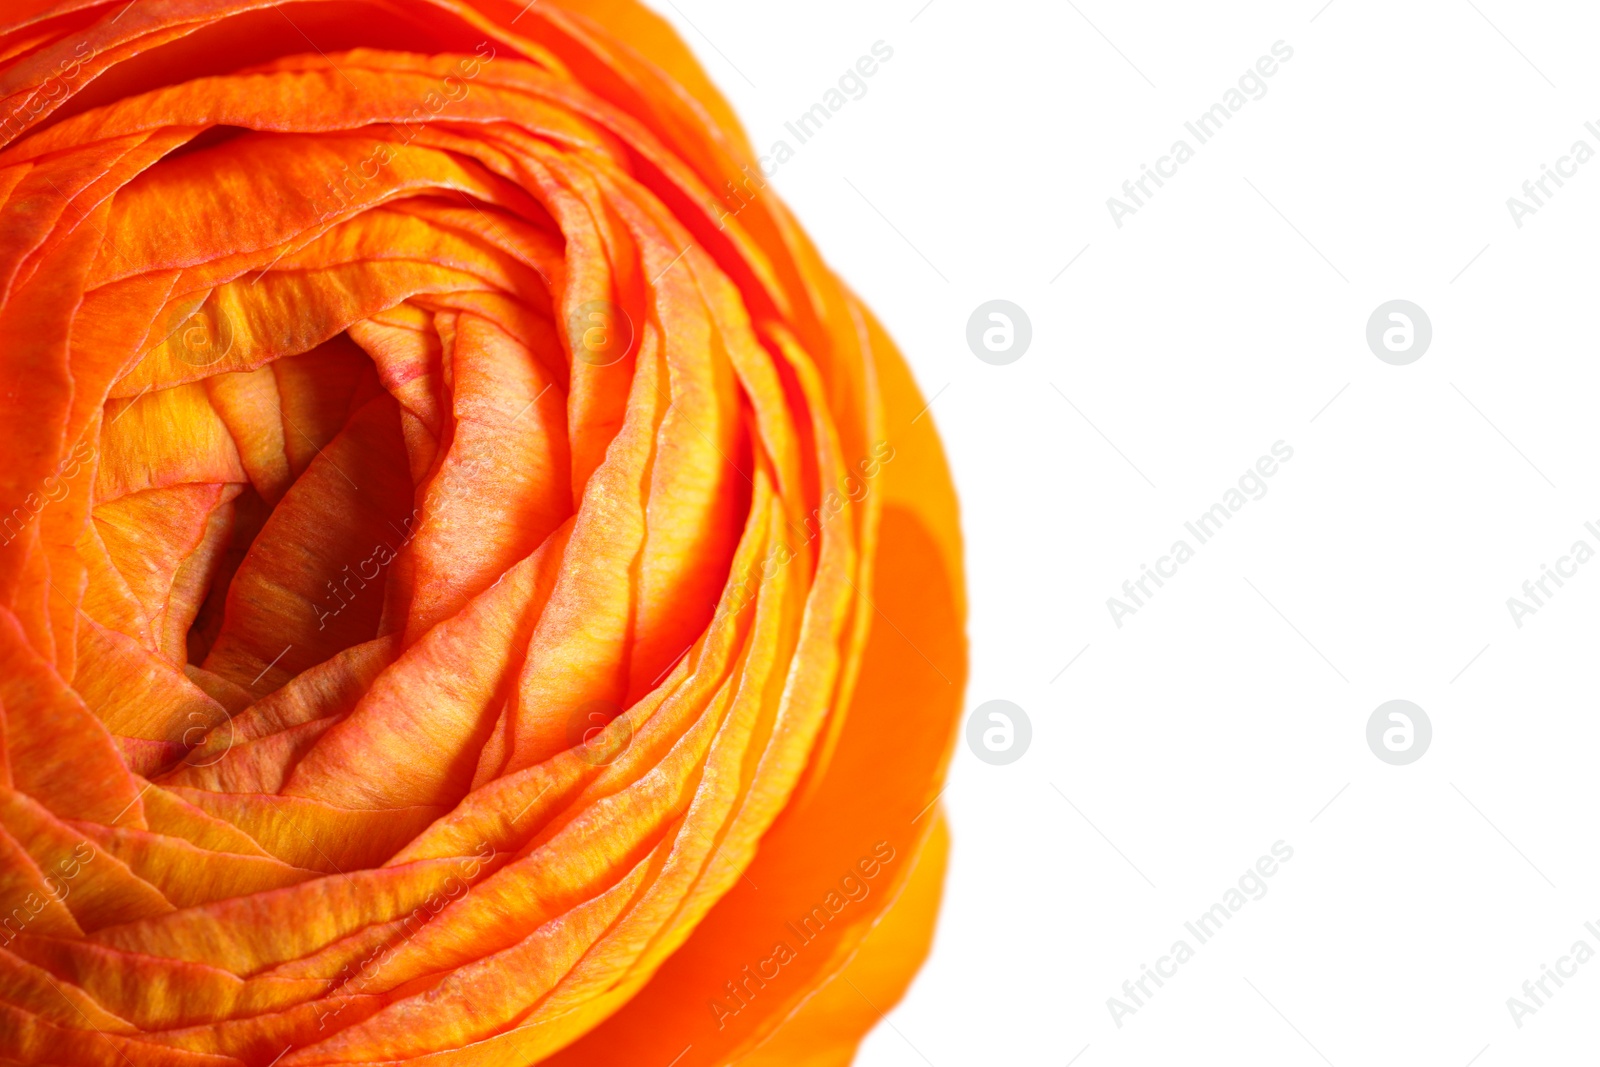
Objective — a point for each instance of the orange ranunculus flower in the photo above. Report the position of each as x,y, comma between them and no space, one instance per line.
474,587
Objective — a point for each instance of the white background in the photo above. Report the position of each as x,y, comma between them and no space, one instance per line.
1227,314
